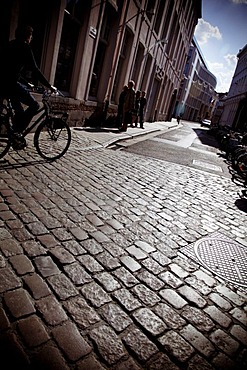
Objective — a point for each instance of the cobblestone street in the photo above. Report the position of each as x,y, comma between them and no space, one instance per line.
94,272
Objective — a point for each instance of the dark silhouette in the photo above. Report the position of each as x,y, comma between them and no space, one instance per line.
120,113
143,103
137,107
15,58
129,105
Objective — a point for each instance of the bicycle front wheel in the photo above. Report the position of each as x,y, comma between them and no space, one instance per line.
52,138
4,139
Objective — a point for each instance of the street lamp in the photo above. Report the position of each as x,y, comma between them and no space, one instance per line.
165,41
140,11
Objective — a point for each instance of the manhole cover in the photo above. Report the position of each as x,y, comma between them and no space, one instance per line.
225,258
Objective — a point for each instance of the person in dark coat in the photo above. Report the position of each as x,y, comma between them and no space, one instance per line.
143,103
120,112
137,107
15,58
129,105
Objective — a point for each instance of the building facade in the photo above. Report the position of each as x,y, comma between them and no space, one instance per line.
235,105
90,49
197,97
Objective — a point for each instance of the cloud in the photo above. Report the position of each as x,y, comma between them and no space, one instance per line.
223,72
231,60
205,31
239,1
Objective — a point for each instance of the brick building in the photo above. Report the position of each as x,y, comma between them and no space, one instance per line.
235,105
90,49
197,97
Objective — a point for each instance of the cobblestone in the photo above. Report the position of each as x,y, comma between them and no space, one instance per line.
146,295
95,294
192,296
218,316
33,331
51,310
19,303
142,347
176,346
70,341
37,286
147,319
108,344
239,333
83,314
92,274
220,301
198,340
239,315
225,342
173,298
198,318
115,317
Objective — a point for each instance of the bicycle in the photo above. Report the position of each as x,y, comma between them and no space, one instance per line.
52,136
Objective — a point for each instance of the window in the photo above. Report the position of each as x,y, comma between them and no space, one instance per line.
100,55
122,64
138,61
73,18
159,16
66,53
150,9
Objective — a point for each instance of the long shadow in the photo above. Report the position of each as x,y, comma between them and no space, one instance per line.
6,165
98,129
242,204
207,138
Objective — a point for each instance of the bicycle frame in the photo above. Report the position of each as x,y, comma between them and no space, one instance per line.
36,122
52,135
45,109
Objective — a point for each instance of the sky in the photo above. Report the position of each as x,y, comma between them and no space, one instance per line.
221,33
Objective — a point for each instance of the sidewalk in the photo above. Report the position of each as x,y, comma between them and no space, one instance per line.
94,137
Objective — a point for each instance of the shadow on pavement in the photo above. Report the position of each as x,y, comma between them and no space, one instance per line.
206,137
242,204
98,129
6,165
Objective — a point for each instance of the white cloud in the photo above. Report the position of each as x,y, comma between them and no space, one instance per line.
239,1
231,60
223,73
205,31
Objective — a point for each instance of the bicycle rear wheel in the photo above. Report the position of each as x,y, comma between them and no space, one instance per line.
52,138
4,138
242,165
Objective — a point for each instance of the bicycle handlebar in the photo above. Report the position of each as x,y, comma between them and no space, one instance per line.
45,92
48,93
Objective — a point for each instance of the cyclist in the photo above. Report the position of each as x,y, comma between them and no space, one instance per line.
16,57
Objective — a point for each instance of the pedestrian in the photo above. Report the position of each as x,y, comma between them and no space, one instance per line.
143,103
137,107
178,119
129,105
120,112
16,57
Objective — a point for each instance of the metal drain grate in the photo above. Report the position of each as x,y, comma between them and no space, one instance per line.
222,256
225,258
